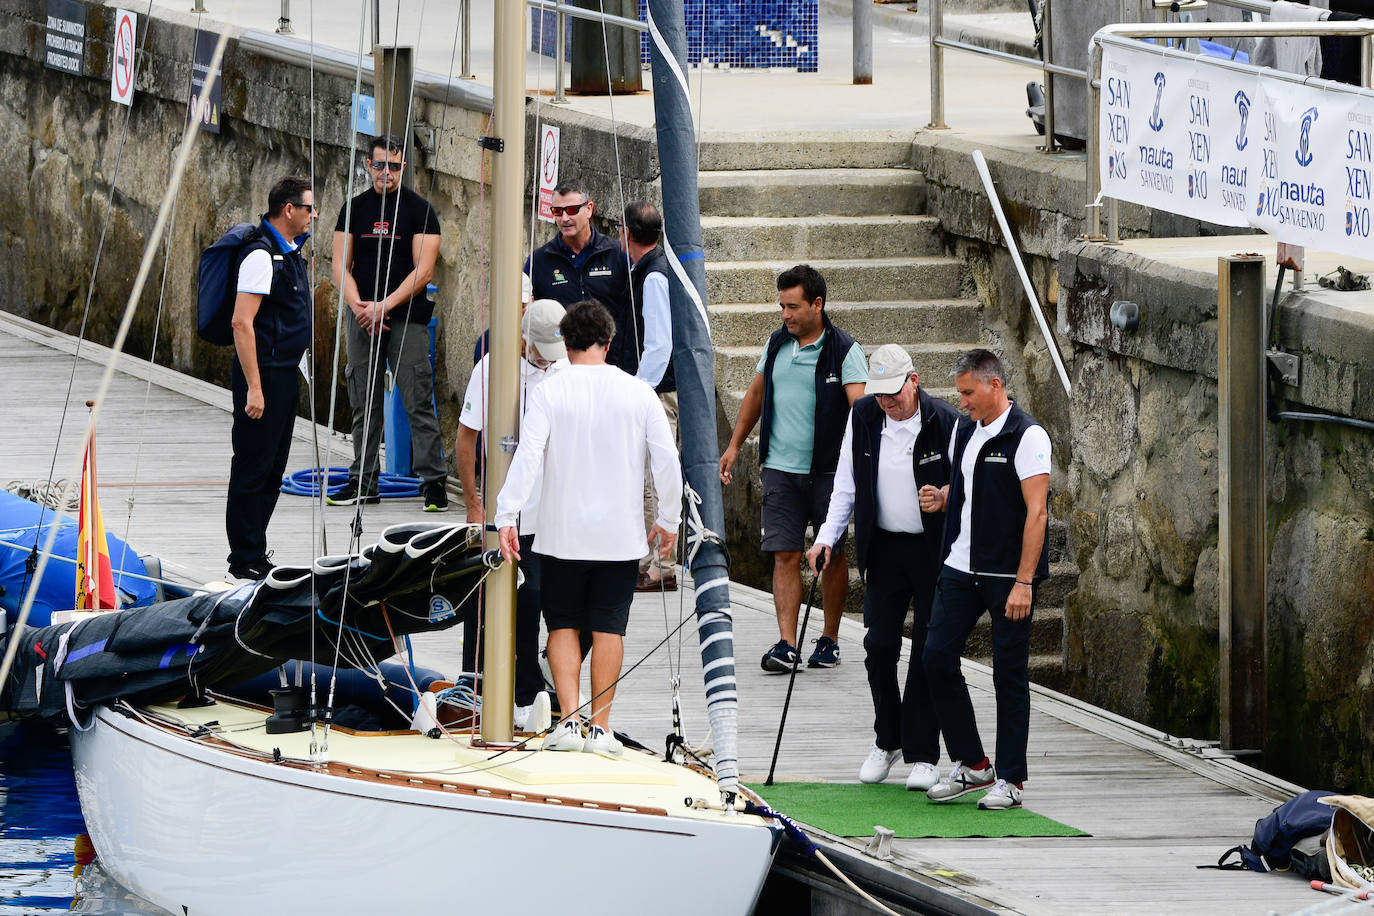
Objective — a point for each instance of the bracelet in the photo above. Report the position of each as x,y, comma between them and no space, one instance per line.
1026,584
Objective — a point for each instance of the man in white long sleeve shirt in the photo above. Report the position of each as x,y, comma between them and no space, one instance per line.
648,348
589,429
893,445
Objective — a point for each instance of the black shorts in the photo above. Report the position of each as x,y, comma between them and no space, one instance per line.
790,503
587,595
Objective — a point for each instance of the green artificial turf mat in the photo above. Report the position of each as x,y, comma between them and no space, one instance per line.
853,809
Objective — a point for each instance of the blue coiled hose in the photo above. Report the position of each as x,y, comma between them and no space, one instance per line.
306,482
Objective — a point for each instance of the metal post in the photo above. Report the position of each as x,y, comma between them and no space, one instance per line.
560,34
937,67
863,42
284,22
1047,56
1241,560
1366,76
393,72
199,6
465,24
1094,176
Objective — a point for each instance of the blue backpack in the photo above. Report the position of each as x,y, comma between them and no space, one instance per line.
217,285
1289,838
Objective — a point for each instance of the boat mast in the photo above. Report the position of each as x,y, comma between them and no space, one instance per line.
507,186
694,368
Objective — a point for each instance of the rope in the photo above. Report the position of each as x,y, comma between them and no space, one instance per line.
306,482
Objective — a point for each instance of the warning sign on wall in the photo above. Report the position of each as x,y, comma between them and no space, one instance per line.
125,49
548,169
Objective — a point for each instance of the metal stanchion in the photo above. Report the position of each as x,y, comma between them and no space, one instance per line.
863,42
560,35
284,22
937,67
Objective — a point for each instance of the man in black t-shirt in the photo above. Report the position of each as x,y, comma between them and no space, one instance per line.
385,247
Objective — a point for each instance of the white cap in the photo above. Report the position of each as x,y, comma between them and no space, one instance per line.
540,327
526,289
888,369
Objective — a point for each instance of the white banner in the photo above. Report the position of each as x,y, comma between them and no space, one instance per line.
1237,149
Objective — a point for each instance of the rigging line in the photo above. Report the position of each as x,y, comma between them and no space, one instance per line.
619,179
90,295
312,380
140,280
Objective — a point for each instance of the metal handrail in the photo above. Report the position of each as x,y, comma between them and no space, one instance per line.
1126,35
562,8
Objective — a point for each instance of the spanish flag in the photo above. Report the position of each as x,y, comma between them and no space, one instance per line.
95,589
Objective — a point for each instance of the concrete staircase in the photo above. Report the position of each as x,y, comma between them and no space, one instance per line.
856,214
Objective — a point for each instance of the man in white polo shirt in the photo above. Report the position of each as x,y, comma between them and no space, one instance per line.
543,348
589,429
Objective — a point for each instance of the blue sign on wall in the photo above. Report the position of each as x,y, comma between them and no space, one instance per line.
364,114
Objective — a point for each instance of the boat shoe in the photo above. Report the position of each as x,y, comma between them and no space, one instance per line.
566,736
601,741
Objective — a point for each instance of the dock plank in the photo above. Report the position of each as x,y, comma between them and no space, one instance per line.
1154,809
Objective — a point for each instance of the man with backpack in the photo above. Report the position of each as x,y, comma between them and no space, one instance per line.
385,249
271,330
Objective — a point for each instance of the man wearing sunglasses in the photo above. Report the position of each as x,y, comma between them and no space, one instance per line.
386,242
581,263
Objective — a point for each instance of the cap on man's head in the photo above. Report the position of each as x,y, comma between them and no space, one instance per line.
526,289
888,369
540,327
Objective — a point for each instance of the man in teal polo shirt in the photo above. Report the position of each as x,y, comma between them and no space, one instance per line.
809,375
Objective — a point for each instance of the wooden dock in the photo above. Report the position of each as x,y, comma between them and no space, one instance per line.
1155,806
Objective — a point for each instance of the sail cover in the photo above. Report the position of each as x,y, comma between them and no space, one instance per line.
694,366
417,578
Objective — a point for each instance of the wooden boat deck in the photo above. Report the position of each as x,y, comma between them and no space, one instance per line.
1155,807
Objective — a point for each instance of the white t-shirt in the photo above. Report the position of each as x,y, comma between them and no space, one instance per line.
255,271
590,428
474,413
897,509
1032,458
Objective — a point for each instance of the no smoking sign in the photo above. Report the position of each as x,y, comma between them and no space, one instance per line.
548,169
125,49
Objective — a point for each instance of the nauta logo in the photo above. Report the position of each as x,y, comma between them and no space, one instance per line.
1156,122
1157,156
1304,153
1310,193
1243,106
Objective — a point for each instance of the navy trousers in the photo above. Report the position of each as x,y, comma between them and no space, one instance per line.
901,574
528,678
961,600
261,448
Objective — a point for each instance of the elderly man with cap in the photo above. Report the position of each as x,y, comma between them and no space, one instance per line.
893,445
542,345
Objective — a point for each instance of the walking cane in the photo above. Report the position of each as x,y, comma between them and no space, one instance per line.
792,678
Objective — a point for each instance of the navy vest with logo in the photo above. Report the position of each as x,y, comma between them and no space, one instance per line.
603,275
632,344
832,404
929,465
999,509
282,325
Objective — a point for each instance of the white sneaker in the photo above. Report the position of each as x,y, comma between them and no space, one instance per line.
922,777
566,737
1000,797
601,741
535,717
877,764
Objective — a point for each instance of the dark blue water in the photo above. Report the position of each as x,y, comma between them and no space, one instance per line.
40,820
40,824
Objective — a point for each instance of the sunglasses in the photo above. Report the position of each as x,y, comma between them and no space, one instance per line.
378,165
310,207
570,209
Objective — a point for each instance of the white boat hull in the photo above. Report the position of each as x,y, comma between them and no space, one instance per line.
200,831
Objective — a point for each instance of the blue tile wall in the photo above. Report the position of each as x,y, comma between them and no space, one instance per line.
725,34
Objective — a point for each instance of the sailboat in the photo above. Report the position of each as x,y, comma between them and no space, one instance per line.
203,804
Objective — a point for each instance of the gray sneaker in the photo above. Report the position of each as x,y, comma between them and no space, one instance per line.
960,781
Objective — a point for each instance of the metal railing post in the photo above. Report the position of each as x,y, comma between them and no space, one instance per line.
465,24
937,67
199,6
559,53
863,42
1366,75
1046,56
1093,179
284,21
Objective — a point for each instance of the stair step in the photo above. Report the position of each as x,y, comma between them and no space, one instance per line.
869,322
739,238
1047,634
736,366
851,280
871,149
730,401
805,192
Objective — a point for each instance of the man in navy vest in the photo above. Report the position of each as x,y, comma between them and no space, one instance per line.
996,519
809,375
272,315
894,445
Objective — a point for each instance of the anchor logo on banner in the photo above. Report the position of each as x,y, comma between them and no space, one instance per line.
1304,152
1156,122
1243,105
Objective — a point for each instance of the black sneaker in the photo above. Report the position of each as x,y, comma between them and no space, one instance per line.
256,570
780,658
349,496
435,496
826,655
